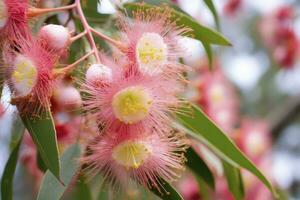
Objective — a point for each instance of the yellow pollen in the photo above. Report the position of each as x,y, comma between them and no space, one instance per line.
131,154
131,104
24,75
151,52
217,94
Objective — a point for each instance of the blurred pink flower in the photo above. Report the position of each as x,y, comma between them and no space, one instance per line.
218,99
278,34
254,138
232,6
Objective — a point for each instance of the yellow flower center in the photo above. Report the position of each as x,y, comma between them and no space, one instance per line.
131,104
131,154
151,52
3,14
24,75
217,94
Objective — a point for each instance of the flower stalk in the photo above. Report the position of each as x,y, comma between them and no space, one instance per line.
34,12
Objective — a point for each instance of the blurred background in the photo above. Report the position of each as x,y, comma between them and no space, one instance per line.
256,84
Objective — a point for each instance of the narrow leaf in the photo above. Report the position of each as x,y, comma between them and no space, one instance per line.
209,54
51,188
204,189
168,192
210,5
10,167
80,191
199,32
199,126
40,163
199,167
42,131
234,180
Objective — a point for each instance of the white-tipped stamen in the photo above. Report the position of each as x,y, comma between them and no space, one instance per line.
131,154
132,104
151,53
24,75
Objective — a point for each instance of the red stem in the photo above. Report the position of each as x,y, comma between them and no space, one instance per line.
88,30
34,12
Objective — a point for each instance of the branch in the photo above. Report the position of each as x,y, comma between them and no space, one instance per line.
88,30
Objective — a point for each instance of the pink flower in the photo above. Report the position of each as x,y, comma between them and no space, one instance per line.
143,157
279,35
30,75
254,138
218,99
13,19
152,41
232,6
128,100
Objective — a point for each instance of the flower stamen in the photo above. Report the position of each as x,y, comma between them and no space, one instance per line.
131,104
151,52
131,154
24,75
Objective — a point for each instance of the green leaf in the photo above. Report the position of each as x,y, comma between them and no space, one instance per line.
80,191
51,188
90,9
10,167
42,131
168,192
195,123
16,133
199,32
234,180
204,189
199,167
209,54
40,163
210,5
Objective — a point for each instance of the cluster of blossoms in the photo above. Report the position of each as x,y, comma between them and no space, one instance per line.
28,61
133,99
278,34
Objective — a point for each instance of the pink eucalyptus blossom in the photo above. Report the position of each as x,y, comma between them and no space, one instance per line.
142,157
131,100
152,41
30,75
